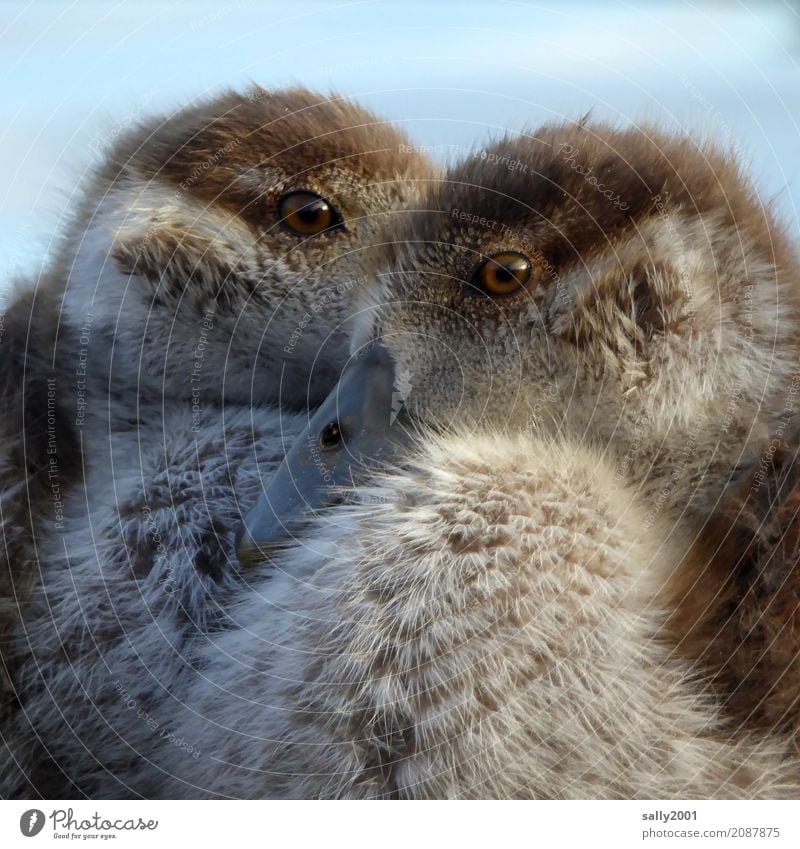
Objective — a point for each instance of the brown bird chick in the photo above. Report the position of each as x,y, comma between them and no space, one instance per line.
202,289
663,310
600,327
648,297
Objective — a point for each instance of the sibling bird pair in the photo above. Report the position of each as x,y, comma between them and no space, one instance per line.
574,376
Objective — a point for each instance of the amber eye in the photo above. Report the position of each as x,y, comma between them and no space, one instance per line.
502,274
306,213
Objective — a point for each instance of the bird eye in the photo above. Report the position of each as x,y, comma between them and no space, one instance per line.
306,213
502,274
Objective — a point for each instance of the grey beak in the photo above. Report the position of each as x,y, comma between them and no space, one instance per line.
354,431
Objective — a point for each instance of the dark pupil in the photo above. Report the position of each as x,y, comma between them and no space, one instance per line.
504,274
330,436
310,213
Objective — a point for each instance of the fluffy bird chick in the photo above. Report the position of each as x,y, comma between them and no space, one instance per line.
629,290
624,297
654,313
205,280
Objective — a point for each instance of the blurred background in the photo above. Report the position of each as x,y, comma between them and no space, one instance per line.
76,74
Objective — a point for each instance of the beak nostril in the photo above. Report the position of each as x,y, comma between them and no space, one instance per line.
330,436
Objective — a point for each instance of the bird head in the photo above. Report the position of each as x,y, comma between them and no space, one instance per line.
217,251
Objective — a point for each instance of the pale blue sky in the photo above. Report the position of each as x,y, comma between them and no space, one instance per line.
455,73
